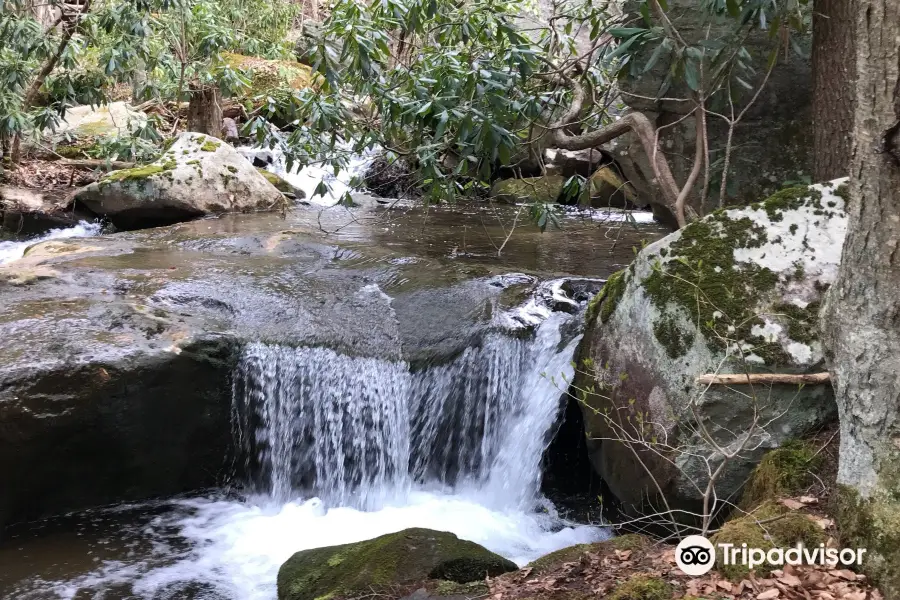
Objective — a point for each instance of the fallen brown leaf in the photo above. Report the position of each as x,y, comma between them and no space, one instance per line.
791,504
770,594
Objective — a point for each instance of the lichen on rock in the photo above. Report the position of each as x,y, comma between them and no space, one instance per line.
735,292
197,175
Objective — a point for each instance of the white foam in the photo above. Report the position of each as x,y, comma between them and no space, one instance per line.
10,251
240,546
308,178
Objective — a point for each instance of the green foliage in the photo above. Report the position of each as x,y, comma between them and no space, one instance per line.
161,47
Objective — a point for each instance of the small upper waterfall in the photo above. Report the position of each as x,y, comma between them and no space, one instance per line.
359,432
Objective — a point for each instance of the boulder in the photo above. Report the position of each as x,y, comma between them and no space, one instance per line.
269,75
547,189
404,558
198,175
606,189
113,119
282,185
736,292
387,177
576,162
117,352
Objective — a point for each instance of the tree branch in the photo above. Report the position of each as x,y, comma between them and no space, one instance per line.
762,378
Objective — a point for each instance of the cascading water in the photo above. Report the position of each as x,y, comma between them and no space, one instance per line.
341,449
359,432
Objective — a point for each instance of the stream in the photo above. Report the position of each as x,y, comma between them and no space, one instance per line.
334,447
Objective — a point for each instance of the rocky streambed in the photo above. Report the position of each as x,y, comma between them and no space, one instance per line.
118,356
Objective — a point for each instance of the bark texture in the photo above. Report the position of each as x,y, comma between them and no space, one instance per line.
834,74
863,315
205,111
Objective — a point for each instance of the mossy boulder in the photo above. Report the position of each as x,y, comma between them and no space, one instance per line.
269,75
769,526
396,559
197,175
736,292
547,189
607,189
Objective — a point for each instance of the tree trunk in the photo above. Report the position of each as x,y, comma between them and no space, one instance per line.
205,111
834,73
863,313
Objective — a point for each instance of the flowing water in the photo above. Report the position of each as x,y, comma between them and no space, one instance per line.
339,449
13,250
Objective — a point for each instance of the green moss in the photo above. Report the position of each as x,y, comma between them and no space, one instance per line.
802,323
790,198
642,587
280,184
673,338
769,526
873,522
269,75
209,146
408,556
701,276
784,471
139,173
605,302
843,192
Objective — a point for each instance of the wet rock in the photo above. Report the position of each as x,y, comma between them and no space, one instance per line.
116,352
577,162
392,178
737,292
198,175
25,211
546,189
607,189
281,185
405,558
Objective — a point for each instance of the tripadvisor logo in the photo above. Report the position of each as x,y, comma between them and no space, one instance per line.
695,555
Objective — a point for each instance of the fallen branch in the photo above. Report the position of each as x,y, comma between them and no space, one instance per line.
762,378
94,163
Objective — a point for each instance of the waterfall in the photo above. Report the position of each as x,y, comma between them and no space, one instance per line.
359,432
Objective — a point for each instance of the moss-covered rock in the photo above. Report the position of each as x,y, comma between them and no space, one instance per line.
606,189
872,523
769,526
269,75
642,587
197,175
783,471
547,189
735,292
549,562
280,184
401,558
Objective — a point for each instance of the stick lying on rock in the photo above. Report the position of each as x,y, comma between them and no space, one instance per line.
762,378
